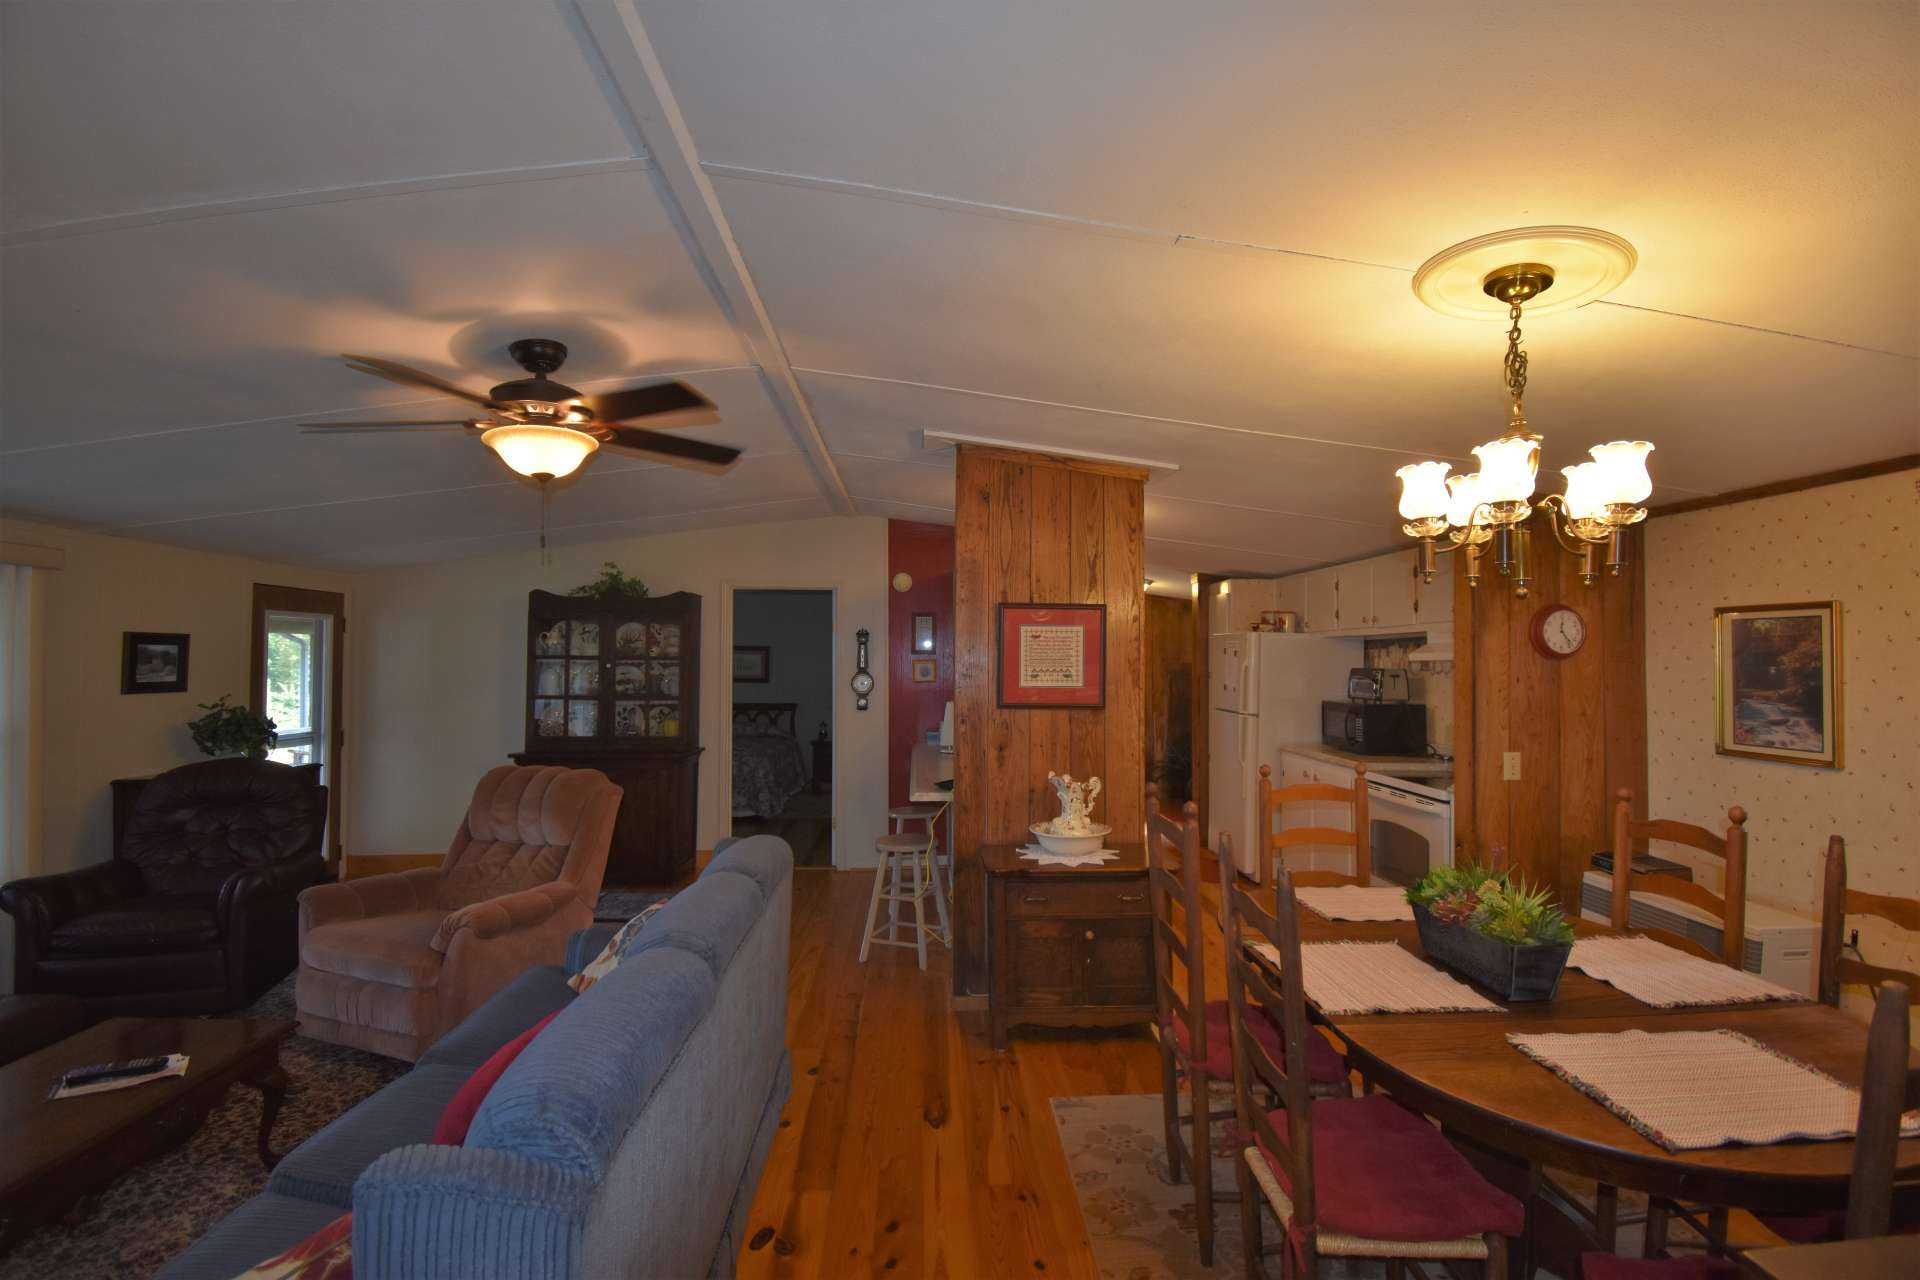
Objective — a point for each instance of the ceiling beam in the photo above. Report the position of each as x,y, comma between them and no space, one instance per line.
642,84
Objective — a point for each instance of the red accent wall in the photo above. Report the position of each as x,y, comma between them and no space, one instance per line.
924,551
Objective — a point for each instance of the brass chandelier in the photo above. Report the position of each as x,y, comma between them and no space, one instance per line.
1488,508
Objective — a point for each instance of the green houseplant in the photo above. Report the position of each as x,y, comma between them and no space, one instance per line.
1493,928
227,730
612,584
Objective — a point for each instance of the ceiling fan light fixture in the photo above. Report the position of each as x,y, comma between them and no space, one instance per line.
535,449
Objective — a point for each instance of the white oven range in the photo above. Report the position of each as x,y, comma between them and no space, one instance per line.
1411,826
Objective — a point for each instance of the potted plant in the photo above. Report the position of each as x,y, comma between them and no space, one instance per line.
612,584
227,730
1493,928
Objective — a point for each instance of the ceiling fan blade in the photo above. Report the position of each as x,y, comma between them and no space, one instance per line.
445,425
665,404
410,377
673,450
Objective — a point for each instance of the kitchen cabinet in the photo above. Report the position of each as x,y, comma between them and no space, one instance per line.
1247,599
1433,601
1290,595
1378,596
1394,600
1322,600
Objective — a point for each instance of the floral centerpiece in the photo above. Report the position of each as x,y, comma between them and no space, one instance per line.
1491,927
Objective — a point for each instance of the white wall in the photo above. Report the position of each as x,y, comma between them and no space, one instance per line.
797,629
93,733
439,669
1857,543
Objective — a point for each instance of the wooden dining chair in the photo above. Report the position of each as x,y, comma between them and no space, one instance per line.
1884,1093
1729,907
1838,902
1344,1177
1273,802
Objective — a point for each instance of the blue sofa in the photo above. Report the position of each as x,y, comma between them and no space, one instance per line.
626,1140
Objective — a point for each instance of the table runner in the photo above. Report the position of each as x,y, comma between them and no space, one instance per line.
1377,977
1351,902
1689,1090
1667,978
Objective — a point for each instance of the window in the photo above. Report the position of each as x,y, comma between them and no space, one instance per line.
298,638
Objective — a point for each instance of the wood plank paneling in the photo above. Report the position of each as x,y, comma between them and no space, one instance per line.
1167,646
1036,529
1202,586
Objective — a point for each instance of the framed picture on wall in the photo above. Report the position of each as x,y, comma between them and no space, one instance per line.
752,664
153,662
923,633
1777,683
1052,655
926,671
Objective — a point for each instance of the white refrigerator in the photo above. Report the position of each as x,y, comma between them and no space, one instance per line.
1265,693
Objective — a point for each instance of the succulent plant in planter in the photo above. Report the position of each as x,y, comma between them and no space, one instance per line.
1491,927
227,730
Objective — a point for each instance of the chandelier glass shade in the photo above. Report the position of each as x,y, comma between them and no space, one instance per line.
1603,497
535,449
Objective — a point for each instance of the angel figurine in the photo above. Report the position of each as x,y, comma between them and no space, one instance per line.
1076,804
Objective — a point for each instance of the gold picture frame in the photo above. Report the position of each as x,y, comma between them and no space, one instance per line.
1778,687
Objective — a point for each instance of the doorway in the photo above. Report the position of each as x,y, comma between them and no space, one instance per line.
299,643
782,719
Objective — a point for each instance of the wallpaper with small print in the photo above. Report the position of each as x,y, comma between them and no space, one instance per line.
1859,544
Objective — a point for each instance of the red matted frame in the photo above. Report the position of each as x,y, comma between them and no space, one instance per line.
1091,619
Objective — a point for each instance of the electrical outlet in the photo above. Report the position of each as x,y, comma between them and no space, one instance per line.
1510,766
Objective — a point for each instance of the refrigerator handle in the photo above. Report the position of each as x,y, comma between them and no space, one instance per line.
1247,753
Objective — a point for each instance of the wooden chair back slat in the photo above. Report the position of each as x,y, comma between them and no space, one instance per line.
1730,907
1250,993
1837,902
1883,1094
1273,840
1166,890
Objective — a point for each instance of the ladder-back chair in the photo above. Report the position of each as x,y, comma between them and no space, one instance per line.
1275,841
1836,904
1729,908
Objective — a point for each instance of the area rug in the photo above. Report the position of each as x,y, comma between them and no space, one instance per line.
148,1215
619,906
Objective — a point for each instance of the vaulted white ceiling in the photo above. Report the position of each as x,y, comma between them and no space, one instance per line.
1176,232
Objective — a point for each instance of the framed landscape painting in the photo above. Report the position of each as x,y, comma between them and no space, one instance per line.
153,662
1777,686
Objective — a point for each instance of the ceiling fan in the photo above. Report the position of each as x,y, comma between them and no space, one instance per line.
544,429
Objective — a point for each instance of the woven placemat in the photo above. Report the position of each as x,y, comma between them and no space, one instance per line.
1351,902
1376,977
1689,1090
1667,978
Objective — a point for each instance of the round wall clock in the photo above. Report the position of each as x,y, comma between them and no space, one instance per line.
1558,631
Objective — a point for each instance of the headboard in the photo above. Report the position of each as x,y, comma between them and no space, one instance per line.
773,718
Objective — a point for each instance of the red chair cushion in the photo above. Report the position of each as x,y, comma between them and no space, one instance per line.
1381,1172
465,1105
1604,1266
1324,1063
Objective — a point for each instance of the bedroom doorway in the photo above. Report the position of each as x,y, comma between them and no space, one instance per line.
783,719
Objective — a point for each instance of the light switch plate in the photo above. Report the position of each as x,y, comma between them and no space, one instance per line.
1510,766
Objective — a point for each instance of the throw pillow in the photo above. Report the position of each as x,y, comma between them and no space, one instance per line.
603,964
327,1254
465,1105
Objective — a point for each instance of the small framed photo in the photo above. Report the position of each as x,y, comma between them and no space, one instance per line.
752,664
923,633
1052,655
925,670
1777,683
153,662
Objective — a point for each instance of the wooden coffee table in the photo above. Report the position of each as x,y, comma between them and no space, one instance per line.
55,1152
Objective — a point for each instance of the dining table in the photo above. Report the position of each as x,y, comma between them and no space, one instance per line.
1519,1119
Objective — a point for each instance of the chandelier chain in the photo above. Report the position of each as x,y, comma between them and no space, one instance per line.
1516,366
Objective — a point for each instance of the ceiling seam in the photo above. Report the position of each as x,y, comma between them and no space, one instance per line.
602,524
635,71
341,194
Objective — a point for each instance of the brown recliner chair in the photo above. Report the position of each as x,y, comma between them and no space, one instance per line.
196,912
392,962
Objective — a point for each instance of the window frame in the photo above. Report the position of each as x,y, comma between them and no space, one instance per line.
269,599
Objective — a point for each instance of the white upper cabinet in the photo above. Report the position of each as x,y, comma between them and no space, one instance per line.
1290,594
1322,600
1381,595
1247,599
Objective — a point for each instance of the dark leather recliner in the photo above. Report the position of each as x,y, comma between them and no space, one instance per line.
198,912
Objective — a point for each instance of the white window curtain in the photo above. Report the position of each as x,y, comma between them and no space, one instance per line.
18,689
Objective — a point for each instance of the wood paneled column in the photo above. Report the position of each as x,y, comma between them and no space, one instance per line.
1032,528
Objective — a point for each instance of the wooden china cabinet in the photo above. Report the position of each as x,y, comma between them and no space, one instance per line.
614,685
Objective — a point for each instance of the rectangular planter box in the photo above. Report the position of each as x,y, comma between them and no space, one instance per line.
1515,974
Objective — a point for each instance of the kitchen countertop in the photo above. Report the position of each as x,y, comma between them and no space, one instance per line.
930,766
1391,766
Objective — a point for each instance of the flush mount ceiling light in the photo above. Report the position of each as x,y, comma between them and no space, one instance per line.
1543,269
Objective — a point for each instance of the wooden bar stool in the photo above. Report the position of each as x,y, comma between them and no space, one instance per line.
930,813
906,875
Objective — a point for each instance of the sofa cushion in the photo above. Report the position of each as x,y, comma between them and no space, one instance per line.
461,1108
263,1226
710,924
392,949
528,998
571,1097
159,923
194,826
324,1166
765,860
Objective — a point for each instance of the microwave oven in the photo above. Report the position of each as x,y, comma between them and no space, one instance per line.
1375,728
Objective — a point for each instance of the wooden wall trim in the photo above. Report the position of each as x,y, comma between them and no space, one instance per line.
1866,470
268,598
1203,585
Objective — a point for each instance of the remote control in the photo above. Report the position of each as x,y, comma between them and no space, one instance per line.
111,1071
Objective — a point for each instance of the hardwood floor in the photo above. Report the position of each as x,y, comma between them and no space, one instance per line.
909,1147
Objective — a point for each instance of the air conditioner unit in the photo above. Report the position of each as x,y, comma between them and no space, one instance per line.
1780,945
